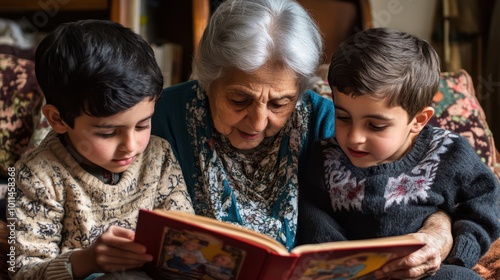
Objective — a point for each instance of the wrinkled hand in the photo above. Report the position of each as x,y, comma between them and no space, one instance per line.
114,250
436,233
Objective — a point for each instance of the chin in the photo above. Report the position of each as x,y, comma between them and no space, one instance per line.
245,145
118,169
360,163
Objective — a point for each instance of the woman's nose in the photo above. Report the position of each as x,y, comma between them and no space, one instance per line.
258,117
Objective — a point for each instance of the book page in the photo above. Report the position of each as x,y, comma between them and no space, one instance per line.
197,255
401,240
227,228
357,259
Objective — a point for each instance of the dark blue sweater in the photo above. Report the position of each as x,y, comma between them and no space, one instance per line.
441,172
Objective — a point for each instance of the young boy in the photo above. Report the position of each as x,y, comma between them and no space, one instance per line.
386,170
79,192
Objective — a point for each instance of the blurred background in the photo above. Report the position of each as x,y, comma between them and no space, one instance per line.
464,32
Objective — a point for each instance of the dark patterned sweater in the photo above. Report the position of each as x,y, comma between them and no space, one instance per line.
440,172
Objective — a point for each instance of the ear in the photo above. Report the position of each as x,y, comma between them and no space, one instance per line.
421,119
52,114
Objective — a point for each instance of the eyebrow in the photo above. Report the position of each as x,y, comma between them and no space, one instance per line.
289,97
372,116
113,126
288,94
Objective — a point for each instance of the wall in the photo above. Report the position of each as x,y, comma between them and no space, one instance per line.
412,16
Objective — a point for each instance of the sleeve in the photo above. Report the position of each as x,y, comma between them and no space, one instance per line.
161,125
321,126
38,229
475,210
315,219
322,117
168,110
170,122
172,193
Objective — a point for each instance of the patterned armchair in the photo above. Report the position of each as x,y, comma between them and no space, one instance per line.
20,103
457,109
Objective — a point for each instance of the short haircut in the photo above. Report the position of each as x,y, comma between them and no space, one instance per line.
387,63
246,34
96,67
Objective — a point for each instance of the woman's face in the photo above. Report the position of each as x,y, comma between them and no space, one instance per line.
246,108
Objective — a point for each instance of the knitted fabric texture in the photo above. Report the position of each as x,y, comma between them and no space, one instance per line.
60,207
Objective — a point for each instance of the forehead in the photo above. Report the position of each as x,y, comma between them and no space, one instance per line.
273,78
136,113
368,107
346,101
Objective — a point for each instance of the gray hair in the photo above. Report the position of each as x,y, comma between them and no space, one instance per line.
246,34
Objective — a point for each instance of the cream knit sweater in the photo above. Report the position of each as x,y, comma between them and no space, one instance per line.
60,207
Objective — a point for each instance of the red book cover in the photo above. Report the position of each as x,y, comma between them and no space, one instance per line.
186,246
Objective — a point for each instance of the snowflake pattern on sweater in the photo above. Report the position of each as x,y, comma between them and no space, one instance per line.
348,191
440,172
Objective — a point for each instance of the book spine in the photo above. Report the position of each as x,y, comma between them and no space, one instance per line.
277,267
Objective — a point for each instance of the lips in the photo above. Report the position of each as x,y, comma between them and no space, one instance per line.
247,136
125,161
357,154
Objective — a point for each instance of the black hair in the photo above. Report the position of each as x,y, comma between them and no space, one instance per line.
384,62
96,67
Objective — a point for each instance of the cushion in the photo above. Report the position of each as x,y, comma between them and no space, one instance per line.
41,129
488,266
457,109
20,102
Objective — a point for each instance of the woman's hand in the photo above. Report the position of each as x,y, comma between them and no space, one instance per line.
436,233
114,250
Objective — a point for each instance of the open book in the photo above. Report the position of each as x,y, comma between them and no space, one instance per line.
186,246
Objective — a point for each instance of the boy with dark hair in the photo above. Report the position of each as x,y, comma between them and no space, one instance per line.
386,170
79,191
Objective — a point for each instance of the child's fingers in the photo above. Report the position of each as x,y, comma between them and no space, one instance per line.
128,250
112,259
120,238
121,232
110,264
122,253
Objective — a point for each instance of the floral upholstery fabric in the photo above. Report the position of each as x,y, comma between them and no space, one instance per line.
20,103
457,109
41,129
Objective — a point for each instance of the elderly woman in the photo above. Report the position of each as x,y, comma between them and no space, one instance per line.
243,128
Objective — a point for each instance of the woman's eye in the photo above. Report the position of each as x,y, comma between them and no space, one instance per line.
239,102
277,105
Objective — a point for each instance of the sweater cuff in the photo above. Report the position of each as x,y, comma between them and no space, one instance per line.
465,252
58,268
